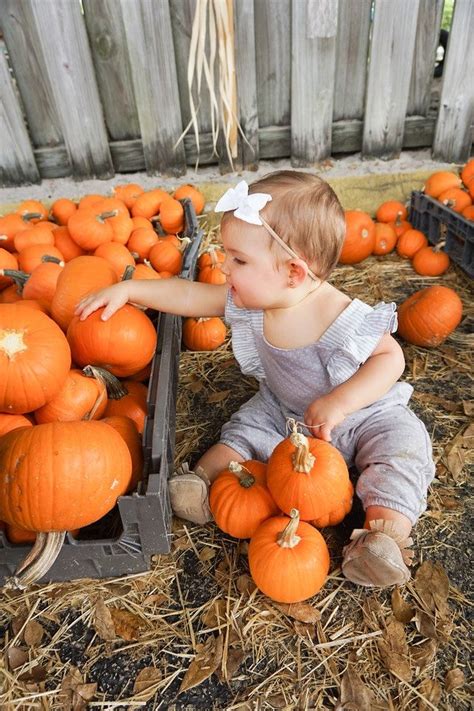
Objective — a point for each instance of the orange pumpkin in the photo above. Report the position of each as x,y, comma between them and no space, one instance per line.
120,220
440,181
239,498
32,210
62,209
196,197
80,398
430,261
428,316
66,245
89,227
37,234
311,475
34,359
10,225
212,255
165,256
141,241
203,334
128,399
124,344
390,211
467,172
10,295
89,200
385,238
410,242
455,198
7,261
288,560
145,271
117,255
128,193
212,275
127,429
401,226
171,215
468,212
360,237
31,257
12,422
148,204
42,282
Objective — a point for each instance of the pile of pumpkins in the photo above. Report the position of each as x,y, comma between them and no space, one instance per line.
305,478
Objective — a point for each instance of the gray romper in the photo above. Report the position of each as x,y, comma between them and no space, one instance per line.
386,441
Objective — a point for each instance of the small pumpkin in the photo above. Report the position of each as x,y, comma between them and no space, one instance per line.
127,429
440,181
311,475
117,255
42,282
400,226
212,275
467,172
9,262
66,245
195,195
126,399
37,234
390,211
10,225
165,256
62,209
33,210
80,398
360,237
148,204
240,500
141,242
456,199
203,334
172,215
431,261
31,257
89,227
288,559
385,238
12,422
128,193
410,242
212,255
468,212
428,316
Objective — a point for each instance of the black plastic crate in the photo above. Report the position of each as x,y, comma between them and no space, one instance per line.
439,222
142,519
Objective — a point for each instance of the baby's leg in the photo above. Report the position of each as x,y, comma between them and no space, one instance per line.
216,459
396,465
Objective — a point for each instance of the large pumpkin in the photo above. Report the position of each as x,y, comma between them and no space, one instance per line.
34,358
124,344
310,475
239,498
288,560
129,433
428,316
80,398
359,241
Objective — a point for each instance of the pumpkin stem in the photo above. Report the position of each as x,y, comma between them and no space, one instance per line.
38,561
100,398
246,478
128,273
105,215
302,459
438,247
183,243
53,260
288,538
115,389
31,216
20,278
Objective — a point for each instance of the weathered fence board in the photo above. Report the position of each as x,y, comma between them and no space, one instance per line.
273,61
244,22
352,48
426,43
17,163
63,41
391,54
452,139
25,53
150,45
312,79
114,78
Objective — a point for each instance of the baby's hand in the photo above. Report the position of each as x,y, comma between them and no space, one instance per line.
322,416
113,298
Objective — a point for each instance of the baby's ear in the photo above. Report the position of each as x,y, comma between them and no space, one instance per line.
297,271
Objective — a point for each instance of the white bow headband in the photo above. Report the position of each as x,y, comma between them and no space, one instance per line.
247,208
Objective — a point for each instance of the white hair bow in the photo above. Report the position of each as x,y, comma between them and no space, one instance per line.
246,207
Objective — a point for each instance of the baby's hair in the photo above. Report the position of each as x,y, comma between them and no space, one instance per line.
306,213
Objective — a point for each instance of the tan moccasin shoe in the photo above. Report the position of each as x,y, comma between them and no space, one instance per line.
377,557
189,494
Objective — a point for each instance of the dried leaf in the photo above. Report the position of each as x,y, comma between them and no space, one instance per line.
146,683
102,621
16,657
218,397
304,630
17,623
431,690
354,694
454,679
373,614
196,386
302,611
82,694
277,701
127,624
460,451
245,584
432,585
394,649
235,657
36,674
468,407
424,653
205,663
402,610
207,553
425,625
155,599
215,615
33,633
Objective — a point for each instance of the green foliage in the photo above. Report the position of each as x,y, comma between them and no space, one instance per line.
447,14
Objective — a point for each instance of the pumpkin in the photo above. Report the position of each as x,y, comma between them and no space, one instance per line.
10,225
79,277
35,359
470,187
7,262
126,399
410,242
239,498
31,257
89,227
89,200
212,275
165,256
143,375
431,261
12,422
57,477
120,220
203,334
37,234
80,398
360,237
385,238
42,282
127,429
117,255
171,215
62,209
390,211
212,255
128,193
428,316
467,173
440,181
124,344
400,226
18,535
66,245
311,475
454,198
148,204
33,210
10,295
141,242
145,271
141,222
196,197
288,559
468,212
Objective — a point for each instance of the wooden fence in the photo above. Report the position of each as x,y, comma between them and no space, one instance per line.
99,87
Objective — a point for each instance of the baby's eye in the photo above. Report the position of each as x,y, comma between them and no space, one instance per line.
239,261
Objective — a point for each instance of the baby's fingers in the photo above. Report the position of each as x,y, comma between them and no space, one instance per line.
89,305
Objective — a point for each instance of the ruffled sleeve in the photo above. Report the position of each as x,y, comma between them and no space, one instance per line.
242,324
357,336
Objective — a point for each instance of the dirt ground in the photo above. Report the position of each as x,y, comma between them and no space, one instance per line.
193,633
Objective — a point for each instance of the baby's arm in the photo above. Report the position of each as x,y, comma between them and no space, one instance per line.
373,379
177,296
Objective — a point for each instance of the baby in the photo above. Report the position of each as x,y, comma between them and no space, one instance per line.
321,358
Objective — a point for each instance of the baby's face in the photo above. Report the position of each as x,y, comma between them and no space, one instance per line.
250,266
